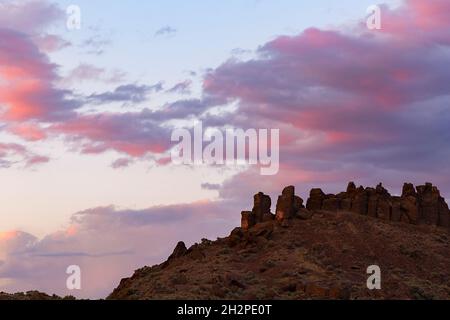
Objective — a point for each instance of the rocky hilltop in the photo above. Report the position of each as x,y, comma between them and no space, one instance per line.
320,250
420,205
32,295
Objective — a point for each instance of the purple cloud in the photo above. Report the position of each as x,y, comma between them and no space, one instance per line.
183,87
130,93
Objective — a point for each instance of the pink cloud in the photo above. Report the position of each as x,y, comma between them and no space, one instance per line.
358,99
13,153
50,42
28,90
37,160
419,22
28,131
135,134
329,91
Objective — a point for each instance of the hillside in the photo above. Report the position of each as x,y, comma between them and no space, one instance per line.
32,295
318,251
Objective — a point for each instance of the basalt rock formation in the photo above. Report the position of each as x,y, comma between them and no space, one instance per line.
321,251
260,212
417,205
421,205
288,206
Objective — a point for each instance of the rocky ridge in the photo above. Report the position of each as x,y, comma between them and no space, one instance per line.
315,251
417,205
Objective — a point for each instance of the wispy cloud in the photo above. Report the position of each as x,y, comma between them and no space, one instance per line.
18,154
89,72
121,163
129,93
166,31
95,44
183,87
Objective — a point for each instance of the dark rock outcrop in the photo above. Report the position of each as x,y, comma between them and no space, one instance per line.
431,206
247,220
260,212
420,205
315,201
179,251
288,204
417,205
261,208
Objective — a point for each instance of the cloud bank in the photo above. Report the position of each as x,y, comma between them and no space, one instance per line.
350,104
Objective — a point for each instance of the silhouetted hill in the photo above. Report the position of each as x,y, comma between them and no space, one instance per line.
322,250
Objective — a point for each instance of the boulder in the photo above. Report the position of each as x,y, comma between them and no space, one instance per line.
380,190
247,220
286,204
179,251
298,203
261,207
408,190
351,188
260,212
288,191
315,201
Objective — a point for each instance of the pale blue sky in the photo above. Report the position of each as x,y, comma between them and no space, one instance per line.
206,31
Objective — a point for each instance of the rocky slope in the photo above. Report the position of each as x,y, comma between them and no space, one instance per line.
314,252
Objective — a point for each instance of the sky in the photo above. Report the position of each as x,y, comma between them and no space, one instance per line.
86,116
